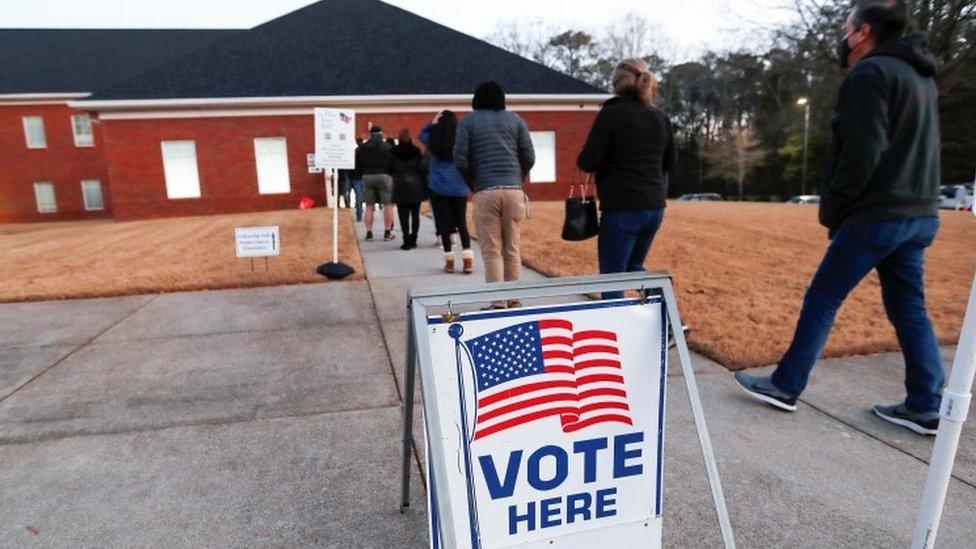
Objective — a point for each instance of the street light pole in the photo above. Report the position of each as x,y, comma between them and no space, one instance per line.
805,103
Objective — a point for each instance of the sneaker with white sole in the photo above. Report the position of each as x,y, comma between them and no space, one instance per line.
899,414
761,388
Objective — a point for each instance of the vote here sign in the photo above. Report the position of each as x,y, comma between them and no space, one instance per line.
553,423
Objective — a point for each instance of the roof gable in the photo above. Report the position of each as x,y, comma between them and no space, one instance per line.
344,48
37,61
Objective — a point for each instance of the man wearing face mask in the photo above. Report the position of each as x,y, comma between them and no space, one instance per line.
879,203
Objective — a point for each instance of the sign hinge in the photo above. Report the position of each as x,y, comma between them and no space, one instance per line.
955,406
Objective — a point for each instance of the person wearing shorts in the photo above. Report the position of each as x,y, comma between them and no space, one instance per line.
374,160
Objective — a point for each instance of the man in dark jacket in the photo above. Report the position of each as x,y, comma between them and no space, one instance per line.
374,160
879,204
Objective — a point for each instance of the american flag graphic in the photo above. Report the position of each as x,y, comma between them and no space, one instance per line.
541,369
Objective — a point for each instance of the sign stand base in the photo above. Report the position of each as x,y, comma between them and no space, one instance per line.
418,352
335,269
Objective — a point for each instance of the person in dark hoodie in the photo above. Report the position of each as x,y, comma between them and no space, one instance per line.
409,171
374,161
631,150
879,204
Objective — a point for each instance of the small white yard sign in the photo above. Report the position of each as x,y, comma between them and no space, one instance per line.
257,241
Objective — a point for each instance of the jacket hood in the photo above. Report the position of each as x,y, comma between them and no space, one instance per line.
912,49
405,151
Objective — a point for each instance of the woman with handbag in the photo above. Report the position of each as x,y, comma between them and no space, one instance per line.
630,149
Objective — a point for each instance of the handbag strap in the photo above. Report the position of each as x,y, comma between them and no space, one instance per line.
585,187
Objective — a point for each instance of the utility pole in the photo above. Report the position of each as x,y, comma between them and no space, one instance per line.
805,103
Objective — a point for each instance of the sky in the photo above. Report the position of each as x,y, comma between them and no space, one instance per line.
691,26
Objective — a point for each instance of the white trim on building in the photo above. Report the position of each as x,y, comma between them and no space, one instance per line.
148,109
19,99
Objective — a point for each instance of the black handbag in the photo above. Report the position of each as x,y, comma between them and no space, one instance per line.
581,220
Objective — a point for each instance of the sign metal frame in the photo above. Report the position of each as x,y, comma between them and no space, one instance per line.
418,353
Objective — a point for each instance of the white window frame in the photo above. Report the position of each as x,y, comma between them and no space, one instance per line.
82,139
271,165
180,169
40,141
85,184
44,208
544,170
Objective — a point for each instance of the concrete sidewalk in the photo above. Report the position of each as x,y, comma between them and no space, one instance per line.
271,417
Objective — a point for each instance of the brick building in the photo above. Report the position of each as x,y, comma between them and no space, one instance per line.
227,125
51,155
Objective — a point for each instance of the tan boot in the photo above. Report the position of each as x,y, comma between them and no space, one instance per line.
448,262
467,262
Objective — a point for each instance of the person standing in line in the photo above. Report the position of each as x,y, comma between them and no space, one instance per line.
631,150
373,158
345,189
879,204
409,171
447,189
493,151
356,184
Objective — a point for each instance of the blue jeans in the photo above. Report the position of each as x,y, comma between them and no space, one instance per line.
357,187
624,240
897,250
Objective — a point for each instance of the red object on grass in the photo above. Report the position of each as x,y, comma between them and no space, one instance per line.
306,203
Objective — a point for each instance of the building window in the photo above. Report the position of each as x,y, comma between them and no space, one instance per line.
271,158
180,169
544,170
34,132
81,126
91,191
44,194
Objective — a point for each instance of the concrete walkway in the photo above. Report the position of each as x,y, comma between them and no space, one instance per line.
271,417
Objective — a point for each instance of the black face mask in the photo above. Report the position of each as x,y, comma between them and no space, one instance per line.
843,51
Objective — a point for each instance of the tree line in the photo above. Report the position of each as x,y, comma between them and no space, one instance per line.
739,128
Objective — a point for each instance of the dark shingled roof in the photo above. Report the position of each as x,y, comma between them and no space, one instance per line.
87,60
344,47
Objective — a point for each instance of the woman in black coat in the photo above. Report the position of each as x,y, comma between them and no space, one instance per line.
409,186
631,150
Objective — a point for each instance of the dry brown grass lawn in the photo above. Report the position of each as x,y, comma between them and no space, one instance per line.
95,259
740,271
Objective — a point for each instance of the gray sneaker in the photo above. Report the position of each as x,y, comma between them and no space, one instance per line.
899,414
761,388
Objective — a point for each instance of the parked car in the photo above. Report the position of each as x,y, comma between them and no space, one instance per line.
804,199
700,197
956,197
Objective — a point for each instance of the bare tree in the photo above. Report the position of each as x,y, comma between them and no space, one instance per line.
734,156
634,36
527,38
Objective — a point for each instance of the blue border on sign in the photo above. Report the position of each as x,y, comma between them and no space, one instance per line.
660,412
508,313
435,525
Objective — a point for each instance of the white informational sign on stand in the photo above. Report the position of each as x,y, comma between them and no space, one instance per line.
335,139
554,417
335,149
257,241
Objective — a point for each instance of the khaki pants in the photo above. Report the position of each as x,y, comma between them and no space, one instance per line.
498,216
